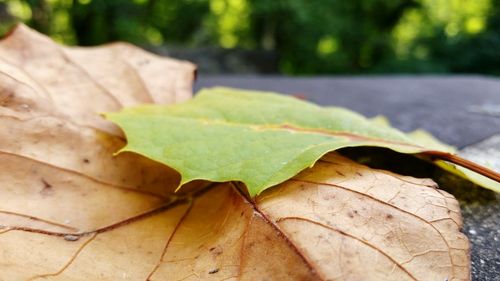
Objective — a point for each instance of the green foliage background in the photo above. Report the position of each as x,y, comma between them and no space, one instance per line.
306,36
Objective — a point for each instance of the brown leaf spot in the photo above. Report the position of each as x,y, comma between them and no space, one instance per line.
71,238
300,96
47,188
213,271
216,251
9,95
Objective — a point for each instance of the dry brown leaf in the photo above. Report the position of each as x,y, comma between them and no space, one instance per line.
71,211
50,97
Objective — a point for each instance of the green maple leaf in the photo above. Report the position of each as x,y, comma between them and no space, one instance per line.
261,139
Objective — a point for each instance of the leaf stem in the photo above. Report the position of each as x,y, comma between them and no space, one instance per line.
453,158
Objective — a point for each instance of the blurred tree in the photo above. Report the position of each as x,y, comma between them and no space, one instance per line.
329,36
100,21
308,36
443,36
475,52
179,21
6,19
40,15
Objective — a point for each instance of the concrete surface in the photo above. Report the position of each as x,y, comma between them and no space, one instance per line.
460,110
